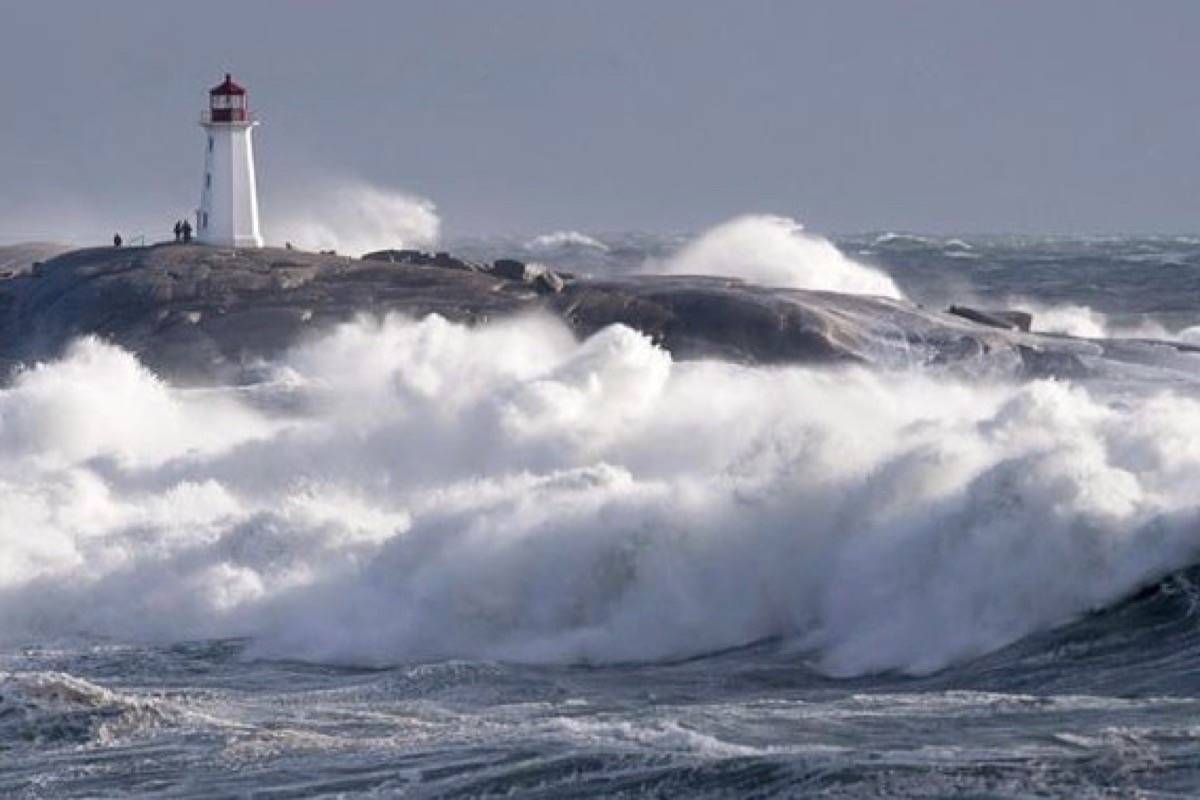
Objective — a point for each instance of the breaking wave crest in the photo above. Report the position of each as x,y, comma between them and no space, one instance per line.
47,709
407,490
775,251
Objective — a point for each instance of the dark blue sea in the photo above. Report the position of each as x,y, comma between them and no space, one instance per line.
423,560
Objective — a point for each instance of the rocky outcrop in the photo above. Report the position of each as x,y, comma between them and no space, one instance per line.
542,279
20,259
201,313
419,258
196,311
1006,319
549,282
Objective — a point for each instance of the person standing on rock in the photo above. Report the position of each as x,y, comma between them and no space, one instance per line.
187,231
178,231
116,240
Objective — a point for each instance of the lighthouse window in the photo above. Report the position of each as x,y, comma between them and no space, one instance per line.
204,220
210,144
208,180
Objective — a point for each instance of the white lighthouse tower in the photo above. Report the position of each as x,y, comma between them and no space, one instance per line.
228,213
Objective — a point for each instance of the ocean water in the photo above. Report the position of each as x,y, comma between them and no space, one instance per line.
422,560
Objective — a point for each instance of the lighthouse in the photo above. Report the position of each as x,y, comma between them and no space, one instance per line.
228,213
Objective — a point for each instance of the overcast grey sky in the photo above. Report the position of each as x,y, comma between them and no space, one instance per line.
536,115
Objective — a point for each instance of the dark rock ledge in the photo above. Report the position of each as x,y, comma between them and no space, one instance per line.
199,313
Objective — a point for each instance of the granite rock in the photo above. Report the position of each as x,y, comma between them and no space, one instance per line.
200,313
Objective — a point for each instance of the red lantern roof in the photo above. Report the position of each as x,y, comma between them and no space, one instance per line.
228,87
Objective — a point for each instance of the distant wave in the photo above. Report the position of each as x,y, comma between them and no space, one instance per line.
893,238
565,239
407,490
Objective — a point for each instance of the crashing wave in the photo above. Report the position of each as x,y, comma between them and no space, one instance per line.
774,251
409,490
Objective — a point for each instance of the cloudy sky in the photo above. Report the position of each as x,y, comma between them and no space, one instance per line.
536,115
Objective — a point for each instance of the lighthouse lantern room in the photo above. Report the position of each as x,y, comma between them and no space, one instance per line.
228,213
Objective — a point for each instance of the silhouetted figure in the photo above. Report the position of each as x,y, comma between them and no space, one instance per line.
178,231
116,240
288,246
187,231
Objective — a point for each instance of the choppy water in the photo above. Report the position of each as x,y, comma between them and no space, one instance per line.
425,561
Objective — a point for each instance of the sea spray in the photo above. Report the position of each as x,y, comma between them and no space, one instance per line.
354,217
407,490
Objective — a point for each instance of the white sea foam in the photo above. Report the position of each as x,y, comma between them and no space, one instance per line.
774,251
418,490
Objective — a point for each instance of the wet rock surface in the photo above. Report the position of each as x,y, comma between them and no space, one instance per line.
199,313
994,318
